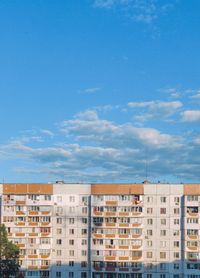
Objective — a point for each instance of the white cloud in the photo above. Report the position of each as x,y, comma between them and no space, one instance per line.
92,90
145,11
155,109
90,148
47,132
191,116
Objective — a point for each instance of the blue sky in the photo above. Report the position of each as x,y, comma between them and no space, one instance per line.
95,90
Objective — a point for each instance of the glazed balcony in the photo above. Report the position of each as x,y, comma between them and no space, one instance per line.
111,203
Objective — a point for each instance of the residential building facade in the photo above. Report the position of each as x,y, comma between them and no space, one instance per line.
104,230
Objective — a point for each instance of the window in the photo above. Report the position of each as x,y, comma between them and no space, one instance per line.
71,274
47,197
59,241
176,210
58,274
59,220
71,209
84,210
71,231
162,276
84,242
72,199
71,263
149,199
84,220
71,253
163,244
163,210
176,266
149,243
163,221
149,255
163,199
150,221
176,200
163,255
59,252
59,199
83,252
71,242
163,266
59,231
176,255
83,274
149,276
149,232
58,263
71,220
84,264
176,221
176,243
149,210
192,198
163,232
83,231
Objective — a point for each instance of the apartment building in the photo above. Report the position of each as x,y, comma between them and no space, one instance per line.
104,230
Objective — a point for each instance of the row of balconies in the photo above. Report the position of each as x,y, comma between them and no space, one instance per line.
118,225
116,269
34,256
33,224
117,236
29,234
117,247
116,214
117,258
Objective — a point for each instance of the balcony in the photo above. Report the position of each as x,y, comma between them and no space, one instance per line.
123,236
20,234
125,247
136,247
123,258
192,236
136,235
21,245
192,211
44,267
123,213
110,224
136,224
111,203
124,269
192,248
44,256
136,258
109,268
32,267
20,202
98,213
110,236
98,235
20,224
33,213
20,213
123,225
33,234
33,223
110,258
110,213
110,246
32,256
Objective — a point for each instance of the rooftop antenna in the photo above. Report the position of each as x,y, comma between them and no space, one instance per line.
146,166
